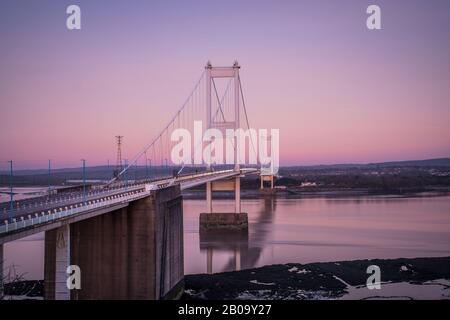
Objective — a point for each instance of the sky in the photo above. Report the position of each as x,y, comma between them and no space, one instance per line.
338,92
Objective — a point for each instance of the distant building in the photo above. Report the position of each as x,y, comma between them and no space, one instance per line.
308,184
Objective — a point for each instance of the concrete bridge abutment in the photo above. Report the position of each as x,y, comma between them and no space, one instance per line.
132,253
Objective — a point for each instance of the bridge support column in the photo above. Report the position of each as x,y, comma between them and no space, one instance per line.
267,178
236,220
62,262
237,195
57,259
132,253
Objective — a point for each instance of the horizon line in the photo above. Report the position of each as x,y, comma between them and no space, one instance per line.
281,166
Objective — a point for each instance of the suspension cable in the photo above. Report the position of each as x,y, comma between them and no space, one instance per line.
161,133
245,113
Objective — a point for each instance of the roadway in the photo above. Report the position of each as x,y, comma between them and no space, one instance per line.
47,205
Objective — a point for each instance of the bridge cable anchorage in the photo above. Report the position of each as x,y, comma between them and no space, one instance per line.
160,136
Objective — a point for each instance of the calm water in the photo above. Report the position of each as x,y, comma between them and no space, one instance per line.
298,230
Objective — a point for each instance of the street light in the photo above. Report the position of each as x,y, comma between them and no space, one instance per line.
49,177
84,179
11,194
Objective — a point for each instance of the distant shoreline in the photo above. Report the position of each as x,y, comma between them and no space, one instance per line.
297,193
321,193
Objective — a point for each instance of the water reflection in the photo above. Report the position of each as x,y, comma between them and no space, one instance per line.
236,244
296,230
320,229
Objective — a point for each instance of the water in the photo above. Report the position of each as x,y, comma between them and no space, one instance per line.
21,193
323,229
300,231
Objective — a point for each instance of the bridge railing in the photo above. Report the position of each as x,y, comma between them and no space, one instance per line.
63,212
29,205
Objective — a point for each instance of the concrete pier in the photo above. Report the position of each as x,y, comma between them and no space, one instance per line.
224,220
57,259
132,253
268,178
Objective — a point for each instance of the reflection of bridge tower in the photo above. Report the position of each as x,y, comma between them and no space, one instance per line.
267,173
243,250
237,259
210,219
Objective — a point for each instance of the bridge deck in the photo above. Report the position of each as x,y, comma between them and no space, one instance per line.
41,216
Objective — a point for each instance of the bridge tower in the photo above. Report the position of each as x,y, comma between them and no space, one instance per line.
210,219
267,174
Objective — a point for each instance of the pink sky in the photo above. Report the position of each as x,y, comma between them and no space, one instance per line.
337,92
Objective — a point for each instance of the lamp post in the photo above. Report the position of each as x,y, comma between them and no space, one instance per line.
49,177
11,194
84,179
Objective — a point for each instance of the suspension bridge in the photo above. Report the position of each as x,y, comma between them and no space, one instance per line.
127,236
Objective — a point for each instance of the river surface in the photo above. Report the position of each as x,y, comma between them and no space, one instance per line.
296,230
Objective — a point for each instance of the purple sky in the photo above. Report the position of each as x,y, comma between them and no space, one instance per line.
337,91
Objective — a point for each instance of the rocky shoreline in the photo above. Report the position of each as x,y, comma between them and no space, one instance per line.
25,289
419,278
327,280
